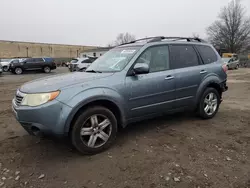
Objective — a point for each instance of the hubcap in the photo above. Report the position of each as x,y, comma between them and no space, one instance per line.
96,131
210,104
18,71
46,69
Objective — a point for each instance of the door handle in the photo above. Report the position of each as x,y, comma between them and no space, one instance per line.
203,71
169,77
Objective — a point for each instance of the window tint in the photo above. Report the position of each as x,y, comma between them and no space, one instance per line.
156,57
38,59
183,56
207,53
87,61
29,60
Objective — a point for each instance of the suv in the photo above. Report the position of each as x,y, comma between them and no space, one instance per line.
45,64
132,82
80,63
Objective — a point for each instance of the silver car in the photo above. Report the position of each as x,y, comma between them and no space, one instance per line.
232,63
80,64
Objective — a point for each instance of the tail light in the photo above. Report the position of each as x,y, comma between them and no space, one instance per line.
225,68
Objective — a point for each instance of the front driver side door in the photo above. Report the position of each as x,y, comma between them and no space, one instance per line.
28,64
151,93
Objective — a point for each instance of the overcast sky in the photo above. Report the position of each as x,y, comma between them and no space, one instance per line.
97,22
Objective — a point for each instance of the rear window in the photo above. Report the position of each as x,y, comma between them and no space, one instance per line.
87,61
207,54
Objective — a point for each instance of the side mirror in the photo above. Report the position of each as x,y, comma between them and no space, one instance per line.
141,68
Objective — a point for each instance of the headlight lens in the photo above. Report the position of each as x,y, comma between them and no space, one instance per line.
39,98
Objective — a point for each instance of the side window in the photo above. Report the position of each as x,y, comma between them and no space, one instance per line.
207,54
156,57
29,60
87,61
183,56
38,60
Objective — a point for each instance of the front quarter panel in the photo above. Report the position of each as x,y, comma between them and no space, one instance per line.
91,95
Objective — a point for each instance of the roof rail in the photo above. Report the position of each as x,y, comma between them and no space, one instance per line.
160,38
188,39
147,38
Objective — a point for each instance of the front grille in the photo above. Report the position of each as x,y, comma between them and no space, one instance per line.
19,98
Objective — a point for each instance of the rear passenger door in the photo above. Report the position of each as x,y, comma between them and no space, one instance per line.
187,65
208,57
38,63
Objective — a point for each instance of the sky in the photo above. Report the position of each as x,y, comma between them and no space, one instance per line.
98,22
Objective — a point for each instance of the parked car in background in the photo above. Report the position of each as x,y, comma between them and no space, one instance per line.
28,64
232,63
5,64
80,63
1,69
132,82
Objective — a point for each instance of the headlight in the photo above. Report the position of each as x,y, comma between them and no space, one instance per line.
39,98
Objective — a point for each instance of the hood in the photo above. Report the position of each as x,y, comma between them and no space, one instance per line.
58,82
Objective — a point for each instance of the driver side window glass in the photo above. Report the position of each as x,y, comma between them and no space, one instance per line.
156,57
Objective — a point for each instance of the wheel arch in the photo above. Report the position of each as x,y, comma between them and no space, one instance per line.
212,82
105,102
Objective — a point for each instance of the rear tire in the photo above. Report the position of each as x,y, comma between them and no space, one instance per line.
237,66
94,130
18,70
47,69
209,103
5,68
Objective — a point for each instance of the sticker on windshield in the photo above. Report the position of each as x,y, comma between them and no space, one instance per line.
127,51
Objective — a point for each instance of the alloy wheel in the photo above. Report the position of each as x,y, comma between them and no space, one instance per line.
96,131
210,104
18,71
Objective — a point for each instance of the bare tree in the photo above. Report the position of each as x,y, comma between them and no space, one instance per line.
195,35
124,38
232,29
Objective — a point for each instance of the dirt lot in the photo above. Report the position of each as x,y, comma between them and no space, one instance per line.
173,151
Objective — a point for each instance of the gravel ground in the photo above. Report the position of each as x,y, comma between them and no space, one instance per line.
173,151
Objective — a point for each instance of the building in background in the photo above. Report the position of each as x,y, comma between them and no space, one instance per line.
14,49
95,52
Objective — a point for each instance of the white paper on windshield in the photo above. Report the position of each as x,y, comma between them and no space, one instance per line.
127,51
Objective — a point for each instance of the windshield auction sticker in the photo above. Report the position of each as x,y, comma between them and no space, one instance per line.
127,51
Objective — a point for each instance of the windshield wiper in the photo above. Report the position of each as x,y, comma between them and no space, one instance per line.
94,71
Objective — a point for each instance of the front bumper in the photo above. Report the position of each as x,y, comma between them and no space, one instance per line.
47,119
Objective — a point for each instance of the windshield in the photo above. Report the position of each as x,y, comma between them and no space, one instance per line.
114,60
74,61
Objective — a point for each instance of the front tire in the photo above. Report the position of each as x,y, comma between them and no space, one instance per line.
94,130
18,70
209,103
47,69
